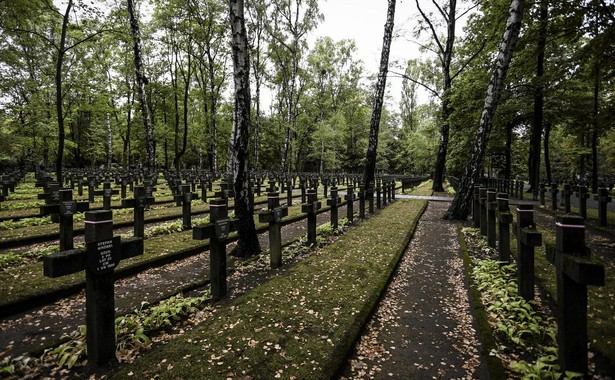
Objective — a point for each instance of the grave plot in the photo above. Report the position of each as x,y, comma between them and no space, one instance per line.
546,329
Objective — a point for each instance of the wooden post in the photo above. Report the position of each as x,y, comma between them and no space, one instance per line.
217,231
491,206
504,219
476,207
554,192
483,211
582,194
350,197
603,198
99,259
527,239
378,191
310,209
575,271
334,202
273,215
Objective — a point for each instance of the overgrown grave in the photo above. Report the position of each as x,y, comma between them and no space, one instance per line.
574,271
99,259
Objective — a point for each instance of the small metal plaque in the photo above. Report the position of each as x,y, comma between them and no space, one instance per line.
68,208
104,255
223,228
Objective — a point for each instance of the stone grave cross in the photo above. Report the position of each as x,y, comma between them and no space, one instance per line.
64,211
273,215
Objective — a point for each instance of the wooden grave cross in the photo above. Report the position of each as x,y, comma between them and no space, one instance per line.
217,232
102,254
575,270
273,215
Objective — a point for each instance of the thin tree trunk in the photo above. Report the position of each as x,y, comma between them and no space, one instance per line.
547,157
370,159
141,83
536,131
595,127
463,198
248,243
59,96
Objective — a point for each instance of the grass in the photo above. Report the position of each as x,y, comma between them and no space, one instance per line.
423,189
299,324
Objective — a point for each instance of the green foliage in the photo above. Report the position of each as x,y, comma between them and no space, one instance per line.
24,222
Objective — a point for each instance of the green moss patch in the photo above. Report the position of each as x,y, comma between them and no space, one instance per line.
299,324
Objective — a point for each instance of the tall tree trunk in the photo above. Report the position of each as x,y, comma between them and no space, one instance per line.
461,203
109,141
547,156
536,131
595,126
508,164
248,243
374,127
59,96
141,83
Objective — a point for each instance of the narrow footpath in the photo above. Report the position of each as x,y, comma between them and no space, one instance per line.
423,327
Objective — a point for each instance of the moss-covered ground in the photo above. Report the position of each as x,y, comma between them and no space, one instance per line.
300,323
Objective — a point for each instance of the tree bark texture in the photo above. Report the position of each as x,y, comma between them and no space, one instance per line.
461,203
59,96
536,131
248,243
372,148
141,83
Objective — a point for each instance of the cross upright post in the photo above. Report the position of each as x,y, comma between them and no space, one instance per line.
334,202
582,194
273,215
527,239
505,219
102,254
64,211
603,198
350,197
310,209
575,270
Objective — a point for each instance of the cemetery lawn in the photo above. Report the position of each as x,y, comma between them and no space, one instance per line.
299,324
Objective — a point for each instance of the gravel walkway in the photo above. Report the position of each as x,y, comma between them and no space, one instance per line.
423,327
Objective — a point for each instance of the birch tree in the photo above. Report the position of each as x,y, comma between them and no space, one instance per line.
372,148
459,208
141,83
248,241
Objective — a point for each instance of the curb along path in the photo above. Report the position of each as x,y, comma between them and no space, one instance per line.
423,327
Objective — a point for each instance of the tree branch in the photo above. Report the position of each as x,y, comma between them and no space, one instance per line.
433,29
400,75
469,60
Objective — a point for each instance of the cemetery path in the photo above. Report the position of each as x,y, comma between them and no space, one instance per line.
423,326
37,328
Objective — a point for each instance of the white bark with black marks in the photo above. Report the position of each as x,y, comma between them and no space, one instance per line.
459,209
372,148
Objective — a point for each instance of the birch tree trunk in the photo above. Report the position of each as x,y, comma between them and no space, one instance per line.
248,241
141,83
372,148
459,209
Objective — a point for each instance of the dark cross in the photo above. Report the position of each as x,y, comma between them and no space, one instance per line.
184,198
361,201
520,191
476,207
504,219
603,198
369,195
310,209
325,184
102,254
554,192
385,192
203,187
52,197
289,193
543,190
582,194
483,210
527,239
334,202
176,188
491,209
566,193
273,215
107,192
139,202
272,187
575,270
225,192
92,184
217,231
64,210
302,186
258,182
349,197
378,195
